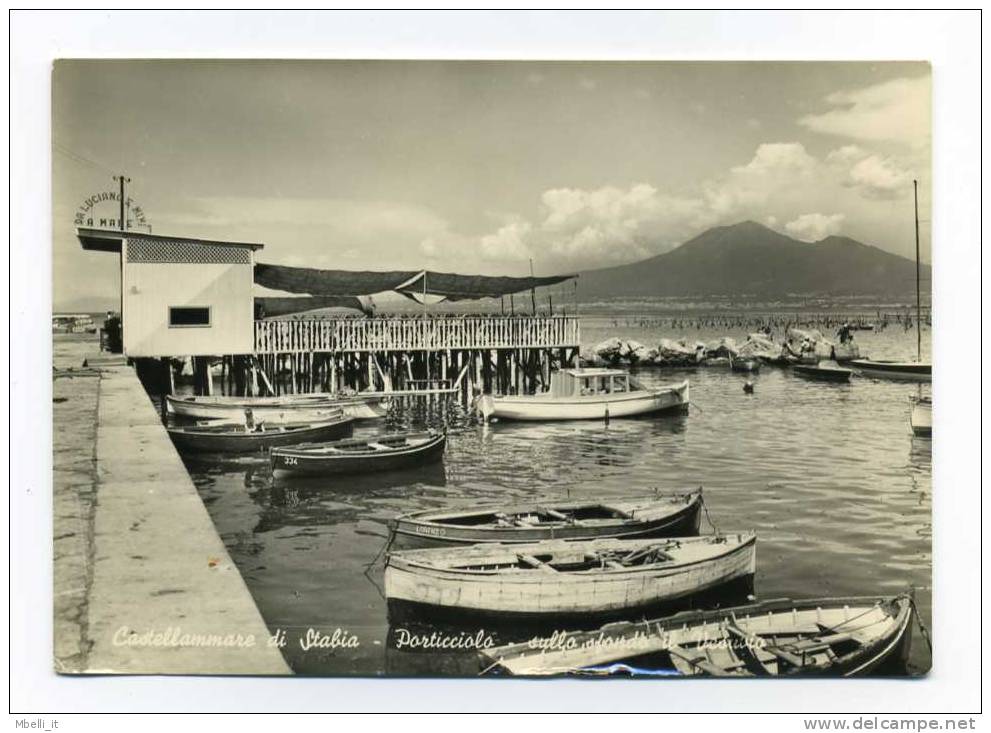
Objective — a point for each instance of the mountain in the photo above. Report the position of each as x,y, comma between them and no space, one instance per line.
748,259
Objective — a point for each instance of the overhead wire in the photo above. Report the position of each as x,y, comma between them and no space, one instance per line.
81,158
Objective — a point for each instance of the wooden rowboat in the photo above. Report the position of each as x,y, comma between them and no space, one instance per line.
313,406
381,453
671,515
823,372
587,394
828,636
922,416
915,371
233,438
562,578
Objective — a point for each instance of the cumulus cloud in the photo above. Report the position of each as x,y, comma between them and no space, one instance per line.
612,223
874,176
896,110
813,227
779,183
508,243
775,171
853,188
879,177
773,159
846,155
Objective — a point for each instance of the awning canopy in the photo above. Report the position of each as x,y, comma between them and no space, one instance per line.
412,283
273,307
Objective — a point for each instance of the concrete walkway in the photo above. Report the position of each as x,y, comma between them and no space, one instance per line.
143,582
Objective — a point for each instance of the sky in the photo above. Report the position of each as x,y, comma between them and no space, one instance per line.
479,167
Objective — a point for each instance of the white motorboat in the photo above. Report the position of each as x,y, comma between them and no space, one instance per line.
588,394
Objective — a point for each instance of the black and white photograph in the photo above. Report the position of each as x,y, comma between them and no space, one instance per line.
447,368
448,373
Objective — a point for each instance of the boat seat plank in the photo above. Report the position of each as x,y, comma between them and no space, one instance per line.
660,554
698,660
563,518
819,643
535,563
753,641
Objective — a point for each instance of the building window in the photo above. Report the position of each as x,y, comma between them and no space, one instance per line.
189,317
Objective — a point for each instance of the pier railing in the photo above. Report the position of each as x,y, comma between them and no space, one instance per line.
415,334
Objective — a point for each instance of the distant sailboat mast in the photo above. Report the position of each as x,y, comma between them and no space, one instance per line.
918,296
918,370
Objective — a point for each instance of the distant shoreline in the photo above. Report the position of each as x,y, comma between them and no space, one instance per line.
653,307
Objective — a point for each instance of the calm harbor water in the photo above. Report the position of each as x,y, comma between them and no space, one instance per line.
829,475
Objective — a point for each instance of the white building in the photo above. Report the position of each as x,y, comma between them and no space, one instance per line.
180,296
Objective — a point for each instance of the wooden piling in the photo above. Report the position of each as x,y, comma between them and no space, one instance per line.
510,355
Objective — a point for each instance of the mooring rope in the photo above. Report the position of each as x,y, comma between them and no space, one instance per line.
368,568
705,508
922,626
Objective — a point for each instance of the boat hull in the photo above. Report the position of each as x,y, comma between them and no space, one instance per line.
537,594
745,365
596,407
907,371
205,442
412,532
300,408
297,461
881,626
823,375
922,419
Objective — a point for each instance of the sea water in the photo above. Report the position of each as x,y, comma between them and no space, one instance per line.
829,475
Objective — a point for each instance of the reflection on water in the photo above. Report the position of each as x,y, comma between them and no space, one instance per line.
828,474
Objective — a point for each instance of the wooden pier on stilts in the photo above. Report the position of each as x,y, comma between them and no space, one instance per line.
189,299
456,357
